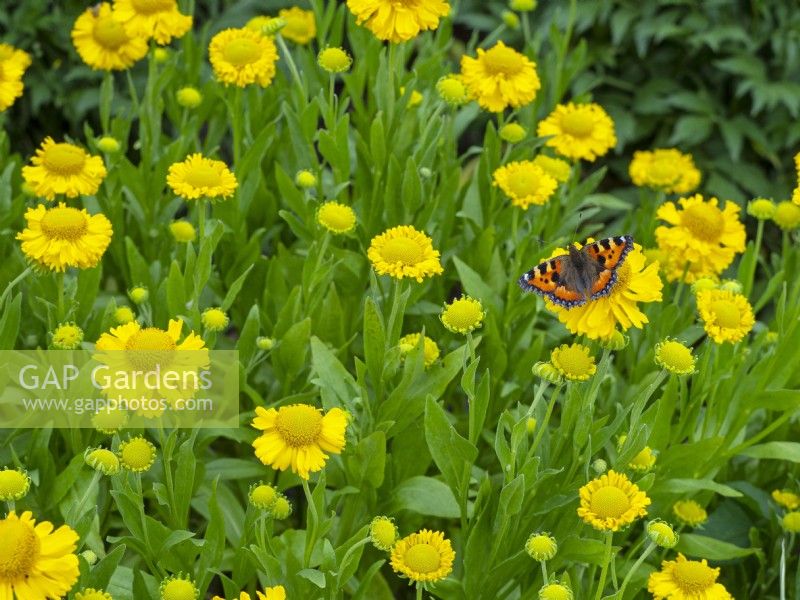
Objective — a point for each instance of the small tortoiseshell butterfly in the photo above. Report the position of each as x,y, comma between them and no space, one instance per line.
574,279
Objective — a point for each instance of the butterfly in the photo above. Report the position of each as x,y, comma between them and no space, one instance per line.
575,278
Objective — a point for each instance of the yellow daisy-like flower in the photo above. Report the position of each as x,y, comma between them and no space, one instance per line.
334,60
463,315
423,557
700,236
547,372
272,593
786,499
137,454
430,348
62,168
336,218
575,361
101,39
689,512
182,231
643,461
242,57
201,177
301,27
14,484
298,436
262,495
541,546
612,502
664,169
555,167
513,133
795,193
555,591
93,594
404,252
787,215
674,357
525,183
683,579
451,89
394,21
13,63
727,316
791,522
62,237
579,131
599,319
67,336
662,534
383,533
37,561
102,460
214,319
178,587
500,77
157,19
761,208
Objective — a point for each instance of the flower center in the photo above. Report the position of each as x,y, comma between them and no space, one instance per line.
463,314
522,183
676,355
19,550
577,124
299,424
575,362
64,223
241,52
693,576
609,502
502,61
402,250
64,159
150,347
12,483
147,7
422,558
727,314
663,171
137,454
704,221
179,589
200,176
109,32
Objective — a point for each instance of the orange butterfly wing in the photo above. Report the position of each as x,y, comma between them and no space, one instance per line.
610,252
545,280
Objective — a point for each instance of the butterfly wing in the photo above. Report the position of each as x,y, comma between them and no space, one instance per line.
610,253
545,280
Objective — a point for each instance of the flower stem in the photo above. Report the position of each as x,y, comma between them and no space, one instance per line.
544,572
312,519
11,285
419,591
606,562
633,569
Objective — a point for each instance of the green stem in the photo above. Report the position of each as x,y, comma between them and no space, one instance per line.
543,427
77,509
750,276
545,578
237,119
201,220
419,591
60,284
606,562
286,53
313,519
633,569
14,282
346,556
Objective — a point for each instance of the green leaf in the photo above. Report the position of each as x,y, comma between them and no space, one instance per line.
425,496
688,486
234,289
700,546
775,450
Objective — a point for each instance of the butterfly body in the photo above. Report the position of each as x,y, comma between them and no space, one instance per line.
579,276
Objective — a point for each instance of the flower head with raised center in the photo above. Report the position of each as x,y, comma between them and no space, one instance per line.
787,215
463,315
700,239
201,177
689,512
555,591
395,21
423,557
301,26
452,90
157,19
541,546
214,319
137,454
189,97
612,502
36,561
404,252
93,594
579,131
674,357
761,208
683,579
13,63
62,236
555,167
334,60
67,336
668,170
242,57
662,534
62,168
336,218
102,460
383,533
727,317
430,349
525,183
14,484
500,77
103,42
791,522
298,436
786,498
574,361
262,495
178,587
183,231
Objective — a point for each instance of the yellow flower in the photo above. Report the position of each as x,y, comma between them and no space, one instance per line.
178,587
510,19
272,593
662,534
786,499
93,594
334,60
727,317
704,283
700,236
599,319
110,420
67,336
425,556
37,561
643,461
14,484
795,193
414,99
555,167
13,63
108,144
683,579
336,218
301,27
62,237
463,315
404,252
201,177
579,131
265,343
430,349
575,362
612,502
383,533
761,208
298,436
689,512
500,77
787,215
214,319
665,169
63,169
102,460
523,5
123,315
157,19
102,41
394,21
541,546
791,522
262,495
555,591
525,183
242,56
189,97
305,179
282,509
137,454
513,133
548,372
182,231
674,357
451,89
